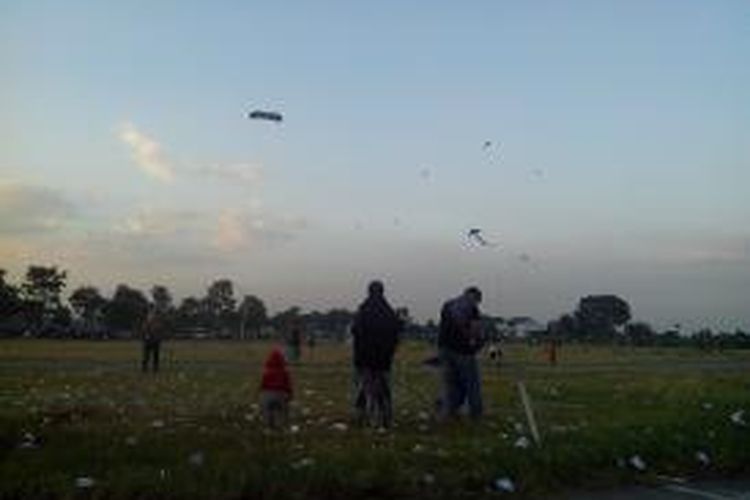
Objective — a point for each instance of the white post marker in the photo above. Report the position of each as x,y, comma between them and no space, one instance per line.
529,412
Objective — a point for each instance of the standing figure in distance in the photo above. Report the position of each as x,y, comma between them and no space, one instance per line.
153,330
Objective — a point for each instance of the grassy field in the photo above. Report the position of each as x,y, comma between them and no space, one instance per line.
78,420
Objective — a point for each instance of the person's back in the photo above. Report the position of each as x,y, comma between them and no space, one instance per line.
375,334
458,322
154,328
458,341
376,329
275,390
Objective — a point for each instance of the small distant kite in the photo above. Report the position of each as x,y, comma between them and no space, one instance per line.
475,235
265,115
492,149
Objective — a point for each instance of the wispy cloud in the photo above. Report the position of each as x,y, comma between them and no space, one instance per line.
237,229
150,221
28,209
250,175
147,153
231,233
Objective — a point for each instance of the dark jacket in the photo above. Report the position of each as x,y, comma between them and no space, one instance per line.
456,318
154,329
375,330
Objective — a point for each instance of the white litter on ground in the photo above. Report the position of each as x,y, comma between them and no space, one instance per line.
196,459
637,463
84,482
504,484
738,417
522,442
28,441
703,458
305,462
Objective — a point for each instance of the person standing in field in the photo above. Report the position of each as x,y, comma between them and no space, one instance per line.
294,341
275,390
459,340
153,330
375,332
311,342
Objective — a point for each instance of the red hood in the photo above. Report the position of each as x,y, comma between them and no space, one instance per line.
275,360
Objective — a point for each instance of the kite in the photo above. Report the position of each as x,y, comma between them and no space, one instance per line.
475,235
265,115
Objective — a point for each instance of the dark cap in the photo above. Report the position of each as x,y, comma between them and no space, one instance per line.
375,288
475,292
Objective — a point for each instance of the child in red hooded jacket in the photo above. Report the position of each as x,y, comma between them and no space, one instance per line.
275,390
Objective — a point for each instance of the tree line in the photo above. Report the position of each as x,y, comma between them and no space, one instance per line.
36,307
607,319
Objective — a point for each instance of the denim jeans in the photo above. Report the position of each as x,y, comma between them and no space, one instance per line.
461,383
372,397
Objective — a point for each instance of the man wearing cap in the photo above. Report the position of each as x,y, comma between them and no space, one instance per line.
459,340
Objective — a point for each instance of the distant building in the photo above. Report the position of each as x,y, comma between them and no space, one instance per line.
522,327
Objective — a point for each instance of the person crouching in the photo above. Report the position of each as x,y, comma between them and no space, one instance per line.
275,390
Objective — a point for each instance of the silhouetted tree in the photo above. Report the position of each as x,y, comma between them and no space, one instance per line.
191,313
598,315
640,333
161,298
41,293
89,305
564,328
127,309
220,304
252,315
10,299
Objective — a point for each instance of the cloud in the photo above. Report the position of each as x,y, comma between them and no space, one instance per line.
147,153
150,221
32,209
237,229
230,231
247,174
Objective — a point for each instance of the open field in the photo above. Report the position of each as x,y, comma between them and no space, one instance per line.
71,410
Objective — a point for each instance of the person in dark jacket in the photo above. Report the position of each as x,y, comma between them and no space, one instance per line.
458,342
375,332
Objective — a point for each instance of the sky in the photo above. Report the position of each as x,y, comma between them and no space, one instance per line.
601,146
